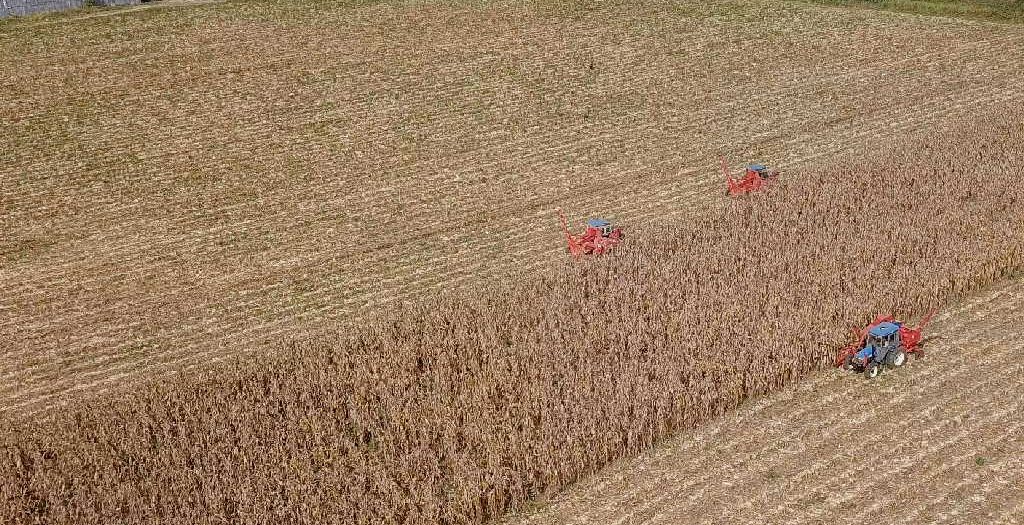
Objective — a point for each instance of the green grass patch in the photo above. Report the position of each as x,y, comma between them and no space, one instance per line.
991,10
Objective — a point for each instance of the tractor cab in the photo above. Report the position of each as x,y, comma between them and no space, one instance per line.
602,227
884,334
755,177
882,346
599,237
882,339
760,170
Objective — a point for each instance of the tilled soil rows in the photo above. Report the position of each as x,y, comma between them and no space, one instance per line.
939,441
456,409
180,187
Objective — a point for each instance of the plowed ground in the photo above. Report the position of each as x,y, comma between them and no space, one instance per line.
181,186
939,441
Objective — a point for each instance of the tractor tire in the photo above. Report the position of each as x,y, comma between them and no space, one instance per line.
899,358
848,364
872,370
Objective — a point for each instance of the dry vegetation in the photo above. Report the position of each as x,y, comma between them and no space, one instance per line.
949,429
453,410
996,10
180,186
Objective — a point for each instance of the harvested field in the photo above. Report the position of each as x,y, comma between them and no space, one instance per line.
456,409
948,427
180,187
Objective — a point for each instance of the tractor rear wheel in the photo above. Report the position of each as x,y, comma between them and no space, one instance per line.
898,358
871,370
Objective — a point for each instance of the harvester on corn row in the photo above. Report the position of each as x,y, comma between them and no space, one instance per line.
599,237
883,343
755,177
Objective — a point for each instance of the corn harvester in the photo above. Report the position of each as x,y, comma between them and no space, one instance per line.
885,343
599,237
755,177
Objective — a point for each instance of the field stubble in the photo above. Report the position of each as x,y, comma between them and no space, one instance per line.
279,177
455,409
940,441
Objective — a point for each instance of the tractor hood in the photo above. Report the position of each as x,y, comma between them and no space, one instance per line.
866,352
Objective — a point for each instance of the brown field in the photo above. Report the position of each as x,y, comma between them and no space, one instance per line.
183,185
457,409
312,248
938,442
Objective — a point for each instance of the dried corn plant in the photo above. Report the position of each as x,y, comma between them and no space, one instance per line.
461,407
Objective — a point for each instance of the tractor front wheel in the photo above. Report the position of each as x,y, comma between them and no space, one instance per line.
848,363
899,358
871,370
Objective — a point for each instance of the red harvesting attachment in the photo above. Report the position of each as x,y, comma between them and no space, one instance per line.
884,342
599,237
755,177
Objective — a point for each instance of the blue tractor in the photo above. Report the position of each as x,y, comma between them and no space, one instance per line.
883,346
885,342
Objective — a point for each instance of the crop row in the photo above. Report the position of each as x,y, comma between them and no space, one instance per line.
453,409
120,300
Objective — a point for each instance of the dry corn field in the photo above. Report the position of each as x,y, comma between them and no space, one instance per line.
180,186
456,409
312,250
940,442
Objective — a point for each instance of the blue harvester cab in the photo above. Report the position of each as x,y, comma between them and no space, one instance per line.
879,332
602,225
884,329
